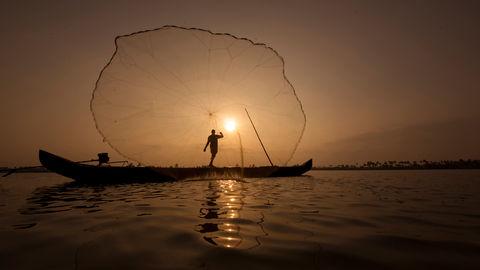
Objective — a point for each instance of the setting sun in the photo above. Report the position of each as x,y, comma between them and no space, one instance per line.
230,125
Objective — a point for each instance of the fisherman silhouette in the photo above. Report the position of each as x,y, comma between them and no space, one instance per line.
213,141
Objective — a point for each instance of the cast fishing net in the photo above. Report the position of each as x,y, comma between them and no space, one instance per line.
163,90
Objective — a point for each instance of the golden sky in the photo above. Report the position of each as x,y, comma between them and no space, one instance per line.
378,79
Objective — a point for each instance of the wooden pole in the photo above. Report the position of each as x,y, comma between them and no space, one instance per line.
258,136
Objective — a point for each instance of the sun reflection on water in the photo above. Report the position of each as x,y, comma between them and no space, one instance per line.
222,212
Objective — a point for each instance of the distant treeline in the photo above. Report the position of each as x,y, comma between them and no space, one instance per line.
407,165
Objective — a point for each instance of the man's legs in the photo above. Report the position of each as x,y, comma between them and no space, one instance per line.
212,158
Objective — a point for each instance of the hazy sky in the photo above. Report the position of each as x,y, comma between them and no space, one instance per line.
378,79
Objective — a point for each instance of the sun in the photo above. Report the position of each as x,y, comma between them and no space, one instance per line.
230,125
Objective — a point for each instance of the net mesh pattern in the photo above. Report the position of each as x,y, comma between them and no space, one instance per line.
163,90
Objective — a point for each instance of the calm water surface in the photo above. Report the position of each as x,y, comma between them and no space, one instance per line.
327,220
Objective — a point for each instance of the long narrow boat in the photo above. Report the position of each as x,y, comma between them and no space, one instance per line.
124,174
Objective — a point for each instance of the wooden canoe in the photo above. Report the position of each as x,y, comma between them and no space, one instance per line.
124,174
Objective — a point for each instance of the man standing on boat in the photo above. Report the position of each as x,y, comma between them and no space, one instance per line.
213,141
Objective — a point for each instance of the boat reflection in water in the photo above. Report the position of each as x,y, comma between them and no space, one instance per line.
231,216
221,211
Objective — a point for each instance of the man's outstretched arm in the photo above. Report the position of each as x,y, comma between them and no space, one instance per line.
220,136
205,148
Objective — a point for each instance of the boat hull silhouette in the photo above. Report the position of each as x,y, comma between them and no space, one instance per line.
122,174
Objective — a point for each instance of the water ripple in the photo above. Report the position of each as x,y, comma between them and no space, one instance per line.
333,220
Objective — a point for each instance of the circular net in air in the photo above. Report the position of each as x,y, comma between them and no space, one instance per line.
164,90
